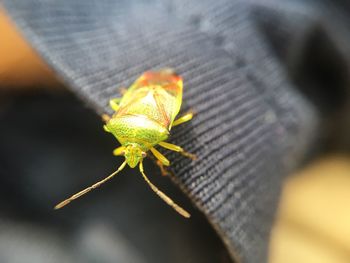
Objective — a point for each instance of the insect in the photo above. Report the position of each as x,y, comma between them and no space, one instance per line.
143,118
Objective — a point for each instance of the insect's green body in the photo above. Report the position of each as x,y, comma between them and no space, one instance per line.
143,119
146,112
138,131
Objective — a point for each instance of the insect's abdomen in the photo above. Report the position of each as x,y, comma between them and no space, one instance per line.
155,95
137,129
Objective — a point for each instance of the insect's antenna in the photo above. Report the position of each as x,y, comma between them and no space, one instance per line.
86,190
163,196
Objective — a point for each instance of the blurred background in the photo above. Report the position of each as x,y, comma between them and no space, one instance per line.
312,224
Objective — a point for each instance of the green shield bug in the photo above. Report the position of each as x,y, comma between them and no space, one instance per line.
143,118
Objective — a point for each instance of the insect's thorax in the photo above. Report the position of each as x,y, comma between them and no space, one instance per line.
137,129
147,110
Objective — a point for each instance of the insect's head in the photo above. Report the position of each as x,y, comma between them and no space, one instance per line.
133,155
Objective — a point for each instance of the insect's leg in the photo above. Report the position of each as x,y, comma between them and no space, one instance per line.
163,196
160,157
187,117
106,128
114,103
163,170
86,190
119,151
105,117
178,149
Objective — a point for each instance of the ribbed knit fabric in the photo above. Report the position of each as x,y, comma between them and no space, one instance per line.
251,125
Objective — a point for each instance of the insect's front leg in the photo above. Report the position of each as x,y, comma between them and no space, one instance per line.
161,161
105,117
163,170
114,103
119,151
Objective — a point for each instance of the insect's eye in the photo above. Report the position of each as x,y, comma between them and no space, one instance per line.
143,154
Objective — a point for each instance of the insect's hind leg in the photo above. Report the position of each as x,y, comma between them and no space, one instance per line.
185,118
176,148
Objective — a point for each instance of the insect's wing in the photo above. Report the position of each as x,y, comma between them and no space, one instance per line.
168,106
132,100
157,95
